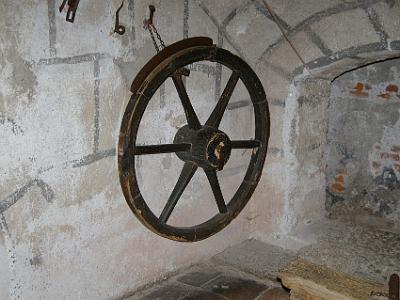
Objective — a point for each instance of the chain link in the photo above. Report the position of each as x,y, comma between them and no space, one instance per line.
153,39
159,37
152,29
148,24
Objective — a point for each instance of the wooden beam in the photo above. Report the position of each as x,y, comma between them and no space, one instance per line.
308,281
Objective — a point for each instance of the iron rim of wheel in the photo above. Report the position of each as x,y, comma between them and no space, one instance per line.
127,149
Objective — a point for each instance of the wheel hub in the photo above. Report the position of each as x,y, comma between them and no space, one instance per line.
211,148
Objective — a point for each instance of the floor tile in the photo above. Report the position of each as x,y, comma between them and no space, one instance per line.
235,288
198,278
171,291
275,294
258,258
203,295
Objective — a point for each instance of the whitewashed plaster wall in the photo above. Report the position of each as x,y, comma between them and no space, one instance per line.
66,231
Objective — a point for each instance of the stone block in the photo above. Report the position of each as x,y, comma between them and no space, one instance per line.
197,295
250,25
389,18
172,291
275,294
198,278
112,97
168,20
307,49
23,28
294,12
55,124
257,258
345,30
277,118
5,275
92,27
268,198
276,85
235,287
283,59
221,9
201,24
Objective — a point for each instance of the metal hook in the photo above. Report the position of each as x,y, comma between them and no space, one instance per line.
120,29
72,7
149,22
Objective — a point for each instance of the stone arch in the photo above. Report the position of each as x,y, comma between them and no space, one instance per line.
297,85
306,140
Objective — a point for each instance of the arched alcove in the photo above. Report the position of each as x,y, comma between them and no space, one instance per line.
307,127
363,163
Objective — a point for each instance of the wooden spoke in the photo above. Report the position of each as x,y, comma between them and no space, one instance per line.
186,175
191,116
216,116
249,144
158,149
219,198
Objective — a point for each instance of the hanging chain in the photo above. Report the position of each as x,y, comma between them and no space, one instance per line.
153,39
158,37
148,24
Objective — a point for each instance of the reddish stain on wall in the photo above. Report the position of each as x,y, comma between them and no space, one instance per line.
360,89
340,178
382,159
384,155
391,89
384,95
376,164
391,156
338,185
395,148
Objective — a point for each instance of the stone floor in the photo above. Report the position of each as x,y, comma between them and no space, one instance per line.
359,250
210,281
249,270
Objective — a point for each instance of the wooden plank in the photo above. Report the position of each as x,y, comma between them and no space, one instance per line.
308,281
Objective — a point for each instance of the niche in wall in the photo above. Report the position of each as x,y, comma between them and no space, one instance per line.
363,159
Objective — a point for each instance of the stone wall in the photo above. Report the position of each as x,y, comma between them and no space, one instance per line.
363,174
66,231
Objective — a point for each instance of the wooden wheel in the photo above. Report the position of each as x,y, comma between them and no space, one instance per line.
200,146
